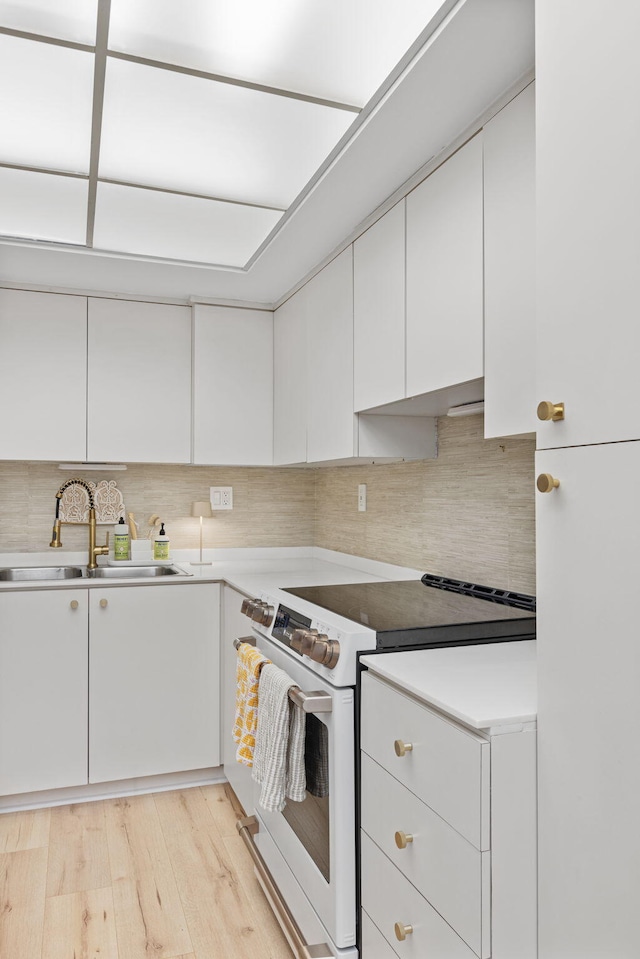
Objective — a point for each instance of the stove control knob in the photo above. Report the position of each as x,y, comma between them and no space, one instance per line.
265,615
244,609
325,651
296,639
249,607
308,640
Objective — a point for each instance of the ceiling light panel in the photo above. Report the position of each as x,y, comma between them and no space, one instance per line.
168,225
45,112
180,132
335,49
73,20
42,206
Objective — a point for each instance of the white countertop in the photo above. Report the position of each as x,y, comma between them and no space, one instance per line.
482,686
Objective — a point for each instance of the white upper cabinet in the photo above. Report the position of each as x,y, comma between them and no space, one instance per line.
331,422
509,265
290,381
445,274
588,211
232,386
379,311
43,376
139,373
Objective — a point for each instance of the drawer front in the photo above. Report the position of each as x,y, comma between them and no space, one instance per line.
447,766
374,945
447,869
389,898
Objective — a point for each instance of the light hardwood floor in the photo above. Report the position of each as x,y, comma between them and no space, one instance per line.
161,876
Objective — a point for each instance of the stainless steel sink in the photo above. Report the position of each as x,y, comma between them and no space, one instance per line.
25,574
134,572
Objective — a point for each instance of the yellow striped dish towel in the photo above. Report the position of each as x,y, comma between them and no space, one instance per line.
250,662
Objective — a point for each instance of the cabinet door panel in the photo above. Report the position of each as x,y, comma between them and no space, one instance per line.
154,680
509,265
445,274
139,395
588,204
43,376
588,672
378,312
43,690
234,626
290,381
233,386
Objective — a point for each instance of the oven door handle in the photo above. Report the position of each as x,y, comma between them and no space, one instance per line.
314,702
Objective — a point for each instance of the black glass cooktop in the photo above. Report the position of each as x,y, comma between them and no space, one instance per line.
428,611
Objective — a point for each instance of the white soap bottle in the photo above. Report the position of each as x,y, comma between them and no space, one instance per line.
161,545
121,541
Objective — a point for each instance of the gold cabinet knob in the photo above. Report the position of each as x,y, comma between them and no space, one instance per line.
550,411
402,931
546,483
403,839
104,603
74,604
402,748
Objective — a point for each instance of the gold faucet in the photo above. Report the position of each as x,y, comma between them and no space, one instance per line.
56,539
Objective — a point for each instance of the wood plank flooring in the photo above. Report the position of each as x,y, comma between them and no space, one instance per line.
162,876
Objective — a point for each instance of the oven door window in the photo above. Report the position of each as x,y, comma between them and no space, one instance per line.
310,819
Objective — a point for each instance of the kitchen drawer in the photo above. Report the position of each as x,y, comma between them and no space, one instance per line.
447,869
389,898
447,767
374,945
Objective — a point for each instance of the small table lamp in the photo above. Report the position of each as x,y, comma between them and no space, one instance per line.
201,509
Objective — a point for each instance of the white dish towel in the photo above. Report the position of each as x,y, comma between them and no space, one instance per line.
278,759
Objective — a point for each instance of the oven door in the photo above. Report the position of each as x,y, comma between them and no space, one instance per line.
316,838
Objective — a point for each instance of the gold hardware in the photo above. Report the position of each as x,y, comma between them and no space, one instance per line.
56,538
402,931
74,604
402,839
104,603
402,748
546,483
550,411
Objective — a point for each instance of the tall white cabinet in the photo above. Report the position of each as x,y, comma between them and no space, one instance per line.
588,298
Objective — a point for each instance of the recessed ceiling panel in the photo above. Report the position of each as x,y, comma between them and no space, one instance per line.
336,49
180,132
42,206
45,109
69,20
151,223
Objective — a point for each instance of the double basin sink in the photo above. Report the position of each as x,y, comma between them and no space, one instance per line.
30,574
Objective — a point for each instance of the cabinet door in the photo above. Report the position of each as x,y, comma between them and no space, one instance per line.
290,381
43,690
445,274
588,678
43,376
331,420
234,626
154,680
139,390
588,207
509,268
233,386
378,312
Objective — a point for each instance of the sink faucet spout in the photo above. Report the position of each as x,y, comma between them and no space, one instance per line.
56,537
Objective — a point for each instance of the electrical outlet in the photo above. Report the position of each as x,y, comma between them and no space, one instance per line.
221,497
362,498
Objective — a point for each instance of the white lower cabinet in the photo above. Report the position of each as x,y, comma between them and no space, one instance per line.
447,833
43,690
153,680
234,626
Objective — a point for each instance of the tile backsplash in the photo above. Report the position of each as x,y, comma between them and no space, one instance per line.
468,513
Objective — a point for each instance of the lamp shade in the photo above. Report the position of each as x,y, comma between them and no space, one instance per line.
201,509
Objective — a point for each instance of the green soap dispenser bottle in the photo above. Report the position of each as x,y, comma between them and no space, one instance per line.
121,541
161,545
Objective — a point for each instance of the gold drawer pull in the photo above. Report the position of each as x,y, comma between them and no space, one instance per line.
546,483
402,931
74,604
550,411
104,603
402,748
402,839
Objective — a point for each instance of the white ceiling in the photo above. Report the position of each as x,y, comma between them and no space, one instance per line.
225,151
